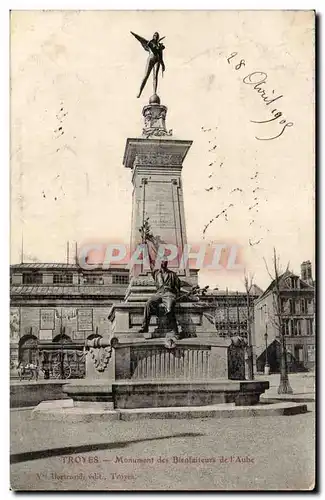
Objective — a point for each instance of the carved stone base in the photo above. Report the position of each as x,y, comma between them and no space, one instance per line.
175,394
155,121
193,320
162,393
163,372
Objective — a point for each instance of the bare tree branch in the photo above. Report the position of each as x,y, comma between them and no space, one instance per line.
248,282
277,319
266,266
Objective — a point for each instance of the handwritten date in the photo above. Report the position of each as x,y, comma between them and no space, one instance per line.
256,79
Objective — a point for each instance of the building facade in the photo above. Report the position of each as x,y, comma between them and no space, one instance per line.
233,310
54,308
297,302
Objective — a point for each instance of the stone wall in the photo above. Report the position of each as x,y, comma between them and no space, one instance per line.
22,395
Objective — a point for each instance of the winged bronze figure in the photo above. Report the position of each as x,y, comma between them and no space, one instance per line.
155,59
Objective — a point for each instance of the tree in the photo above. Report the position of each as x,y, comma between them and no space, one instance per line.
277,320
248,282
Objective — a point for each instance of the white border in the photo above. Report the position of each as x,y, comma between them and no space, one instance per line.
5,7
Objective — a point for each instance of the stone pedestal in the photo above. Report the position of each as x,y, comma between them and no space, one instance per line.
139,373
193,319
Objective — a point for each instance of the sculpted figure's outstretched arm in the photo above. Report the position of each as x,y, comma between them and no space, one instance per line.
143,41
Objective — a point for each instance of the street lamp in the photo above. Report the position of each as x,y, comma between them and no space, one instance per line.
284,386
266,366
61,352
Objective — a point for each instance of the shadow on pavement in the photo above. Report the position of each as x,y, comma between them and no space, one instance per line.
71,450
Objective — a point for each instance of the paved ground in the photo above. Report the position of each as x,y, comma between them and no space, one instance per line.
274,453
301,383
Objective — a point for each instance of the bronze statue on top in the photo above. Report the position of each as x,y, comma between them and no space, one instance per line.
155,59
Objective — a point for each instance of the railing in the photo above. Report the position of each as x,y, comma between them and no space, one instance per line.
180,363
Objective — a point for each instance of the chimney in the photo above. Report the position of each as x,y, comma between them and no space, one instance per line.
306,272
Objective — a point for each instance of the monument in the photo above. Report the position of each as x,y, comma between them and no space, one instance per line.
165,352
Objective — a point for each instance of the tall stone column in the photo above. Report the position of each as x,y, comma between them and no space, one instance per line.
156,161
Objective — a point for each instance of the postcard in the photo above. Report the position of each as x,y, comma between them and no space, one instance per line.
162,276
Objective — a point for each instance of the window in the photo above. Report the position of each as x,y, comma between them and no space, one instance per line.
303,306
120,279
283,305
310,306
292,306
296,327
286,330
310,326
299,353
221,326
311,352
32,278
294,282
62,278
93,279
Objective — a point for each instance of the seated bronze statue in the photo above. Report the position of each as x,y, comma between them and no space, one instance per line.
168,290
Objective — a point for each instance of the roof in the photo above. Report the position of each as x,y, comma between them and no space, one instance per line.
224,293
44,265
77,290
58,265
282,276
271,285
256,290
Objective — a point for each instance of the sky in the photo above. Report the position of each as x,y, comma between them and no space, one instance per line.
81,71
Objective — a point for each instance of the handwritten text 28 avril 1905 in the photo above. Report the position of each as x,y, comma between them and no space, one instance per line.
256,80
